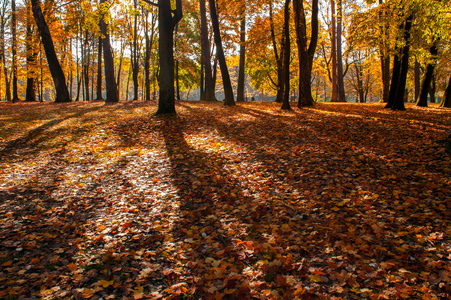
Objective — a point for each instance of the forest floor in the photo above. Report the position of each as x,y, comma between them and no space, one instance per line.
337,201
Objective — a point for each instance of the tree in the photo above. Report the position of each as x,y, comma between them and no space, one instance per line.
228,91
110,81
333,53
14,49
240,89
209,94
446,102
280,84
340,73
99,96
426,84
305,53
400,68
167,19
3,20
59,79
286,55
31,54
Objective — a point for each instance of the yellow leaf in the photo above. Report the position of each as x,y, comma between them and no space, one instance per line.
46,292
106,283
138,293
315,278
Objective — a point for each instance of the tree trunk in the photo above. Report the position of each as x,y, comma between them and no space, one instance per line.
30,94
177,82
86,67
305,53
59,79
399,99
149,45
446,102
99,96
432,89
416,76
135,63
384,58
110,80
167,22
240,89
3,60
340,74
425,86
333,53
279,60
228,91
286,55
14,50
209,94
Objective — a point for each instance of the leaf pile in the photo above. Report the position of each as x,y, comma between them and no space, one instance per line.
337,201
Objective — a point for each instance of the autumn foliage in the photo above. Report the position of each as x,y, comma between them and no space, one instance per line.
336,201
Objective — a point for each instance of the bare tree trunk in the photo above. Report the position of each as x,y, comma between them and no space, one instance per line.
30,94
416,76
305,53
425,86
399,99
14,50
340,74
3,58
99,96
135,63
228,91
86,67
149,45
59,79
286,63
110,81
209,94
240,89
279,60
446,102
333,53
167,19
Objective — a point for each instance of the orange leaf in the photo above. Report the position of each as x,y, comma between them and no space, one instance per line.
72,267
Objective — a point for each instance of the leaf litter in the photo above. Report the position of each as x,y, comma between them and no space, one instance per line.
338,201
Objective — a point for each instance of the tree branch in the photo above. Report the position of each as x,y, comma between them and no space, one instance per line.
151,3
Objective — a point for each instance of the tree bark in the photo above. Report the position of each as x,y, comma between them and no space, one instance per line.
30,94
399,99
333,53
286,61
59,79
340,74
305,53
167,22
446,102
86,67
135,63
110,80
228,90
426,84
279,59
416,77
3,59
149,45
209,94
99,96
240,89
14,50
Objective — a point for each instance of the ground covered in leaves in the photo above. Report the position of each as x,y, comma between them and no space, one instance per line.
337,201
